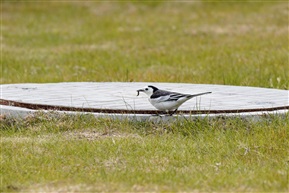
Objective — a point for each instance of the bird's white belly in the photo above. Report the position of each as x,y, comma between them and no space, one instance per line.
165,105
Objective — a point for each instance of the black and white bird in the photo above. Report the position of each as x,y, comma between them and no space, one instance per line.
165,100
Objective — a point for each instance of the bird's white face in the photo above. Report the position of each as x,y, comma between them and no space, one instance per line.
148,90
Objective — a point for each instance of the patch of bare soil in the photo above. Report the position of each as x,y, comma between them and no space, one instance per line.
96,135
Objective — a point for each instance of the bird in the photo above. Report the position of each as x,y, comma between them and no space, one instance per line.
167,101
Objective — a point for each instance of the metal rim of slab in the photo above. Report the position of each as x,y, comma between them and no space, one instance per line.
33,96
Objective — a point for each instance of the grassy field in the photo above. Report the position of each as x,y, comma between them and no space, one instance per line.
82,153
233,43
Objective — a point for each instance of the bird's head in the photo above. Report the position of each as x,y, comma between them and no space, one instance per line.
149,90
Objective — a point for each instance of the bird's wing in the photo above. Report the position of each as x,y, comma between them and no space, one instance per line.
162,96
176,96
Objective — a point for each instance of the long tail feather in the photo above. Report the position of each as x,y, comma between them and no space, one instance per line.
195,95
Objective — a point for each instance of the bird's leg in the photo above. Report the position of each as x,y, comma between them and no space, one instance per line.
173,112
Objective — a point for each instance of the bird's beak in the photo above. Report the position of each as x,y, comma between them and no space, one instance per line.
140,90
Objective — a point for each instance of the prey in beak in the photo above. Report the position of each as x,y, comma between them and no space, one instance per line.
148,90
140,90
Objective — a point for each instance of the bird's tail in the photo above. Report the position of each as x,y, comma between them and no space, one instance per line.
195,95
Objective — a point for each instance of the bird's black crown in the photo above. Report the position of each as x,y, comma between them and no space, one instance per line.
154,88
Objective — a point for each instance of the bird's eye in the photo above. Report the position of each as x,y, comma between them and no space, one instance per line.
146,89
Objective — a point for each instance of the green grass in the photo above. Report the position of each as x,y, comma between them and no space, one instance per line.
216,43
240,43
70,152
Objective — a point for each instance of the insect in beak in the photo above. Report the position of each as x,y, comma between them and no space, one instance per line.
140,90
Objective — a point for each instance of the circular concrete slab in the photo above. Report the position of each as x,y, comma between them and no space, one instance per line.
119,98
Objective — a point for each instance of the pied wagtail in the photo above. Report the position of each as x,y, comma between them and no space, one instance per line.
165,100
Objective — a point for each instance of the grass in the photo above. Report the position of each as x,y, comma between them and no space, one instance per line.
216,43
237,43
45,154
